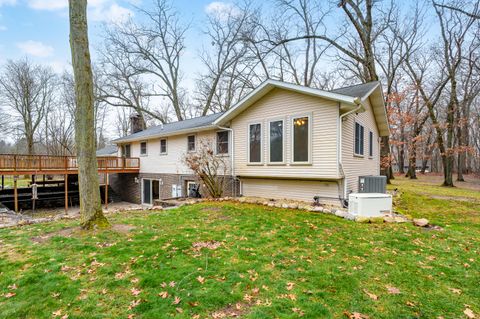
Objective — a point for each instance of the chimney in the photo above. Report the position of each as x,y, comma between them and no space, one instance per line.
136,123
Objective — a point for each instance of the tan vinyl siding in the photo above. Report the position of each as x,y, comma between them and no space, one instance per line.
291,189
172,161
353,165
283,104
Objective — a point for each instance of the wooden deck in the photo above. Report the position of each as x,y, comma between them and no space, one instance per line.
11,164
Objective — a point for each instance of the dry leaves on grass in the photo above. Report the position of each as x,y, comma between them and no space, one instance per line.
369,294
163,294
211,244
355,315
135,291
455,291
176,300
298,311
469,313
134,304
9,295
290,285
13,287
201,279
393,290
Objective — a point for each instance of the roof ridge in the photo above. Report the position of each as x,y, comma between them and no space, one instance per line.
350,86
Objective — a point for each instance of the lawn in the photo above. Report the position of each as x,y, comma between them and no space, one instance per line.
212,260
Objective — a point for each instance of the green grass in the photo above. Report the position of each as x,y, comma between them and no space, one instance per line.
331,263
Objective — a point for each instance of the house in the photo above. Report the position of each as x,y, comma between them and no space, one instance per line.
281,141
107,151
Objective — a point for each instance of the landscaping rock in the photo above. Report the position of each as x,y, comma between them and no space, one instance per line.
284,205
329,211
317,209
420,222
339,213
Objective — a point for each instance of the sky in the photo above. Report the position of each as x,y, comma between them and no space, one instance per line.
38,29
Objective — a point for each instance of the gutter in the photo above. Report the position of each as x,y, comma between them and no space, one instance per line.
360,107
232,157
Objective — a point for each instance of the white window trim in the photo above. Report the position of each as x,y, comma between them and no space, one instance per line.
261,144
354,140
228,140
146,148
160,184
166,146
283,140
195,143
292,139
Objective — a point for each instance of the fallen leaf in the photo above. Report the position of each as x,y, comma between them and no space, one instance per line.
193,304
179,310
12,287
177,300
369,294
134,280
57,313
290,285
135,291
163,294
172,284
455,291
298,311
9,295
201,279
134,303
393,290
65,316
410,304
469,313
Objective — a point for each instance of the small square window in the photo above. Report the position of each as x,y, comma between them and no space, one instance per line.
143,148
191,143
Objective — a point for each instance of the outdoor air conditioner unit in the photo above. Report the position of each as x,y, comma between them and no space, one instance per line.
369,204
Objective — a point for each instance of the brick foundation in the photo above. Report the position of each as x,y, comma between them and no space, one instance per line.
129,190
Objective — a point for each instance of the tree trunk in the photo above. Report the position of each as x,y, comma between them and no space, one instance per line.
401,158
385,153
90,204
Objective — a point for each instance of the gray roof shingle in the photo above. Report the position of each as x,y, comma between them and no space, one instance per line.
173,127
107,150
359,90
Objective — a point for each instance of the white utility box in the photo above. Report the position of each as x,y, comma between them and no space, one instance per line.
369,204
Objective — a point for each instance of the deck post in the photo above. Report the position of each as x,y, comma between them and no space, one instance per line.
15,192
106,190
66,194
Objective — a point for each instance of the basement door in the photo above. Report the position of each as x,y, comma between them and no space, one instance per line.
150,191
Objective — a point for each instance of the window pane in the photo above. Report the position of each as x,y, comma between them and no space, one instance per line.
191,143
222,142
163,146
255,143
359,137
276,141
300,139
143,148
370,150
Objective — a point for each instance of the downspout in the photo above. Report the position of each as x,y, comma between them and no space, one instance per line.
359,107
232,164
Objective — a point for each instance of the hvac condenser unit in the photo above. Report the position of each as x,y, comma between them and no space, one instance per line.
372,184
369,204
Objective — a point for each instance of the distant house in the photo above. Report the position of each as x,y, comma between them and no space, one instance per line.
109,150
281,141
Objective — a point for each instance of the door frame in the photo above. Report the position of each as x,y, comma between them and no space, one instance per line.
151,190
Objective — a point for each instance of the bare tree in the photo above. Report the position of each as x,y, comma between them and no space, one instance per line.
209,167
155,48
473,13
28,91
90,204
225,60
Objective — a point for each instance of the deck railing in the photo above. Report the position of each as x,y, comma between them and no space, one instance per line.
11,163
